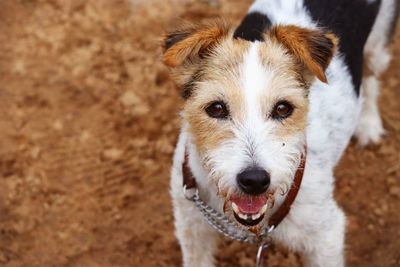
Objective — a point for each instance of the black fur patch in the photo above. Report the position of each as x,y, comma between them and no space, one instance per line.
174,38
252,27
351,21
189,86
395,19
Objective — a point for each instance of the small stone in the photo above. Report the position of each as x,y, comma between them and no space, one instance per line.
19,67
394,191
112,154
62,235
128,191
57,125
129,99
378,211
391,180
46,206
85,135
117,217
35,152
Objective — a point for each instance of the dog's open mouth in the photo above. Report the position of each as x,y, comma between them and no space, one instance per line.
249,210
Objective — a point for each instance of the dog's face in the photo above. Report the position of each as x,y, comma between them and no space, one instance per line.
247,105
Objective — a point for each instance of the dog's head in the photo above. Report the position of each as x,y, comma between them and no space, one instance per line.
246,105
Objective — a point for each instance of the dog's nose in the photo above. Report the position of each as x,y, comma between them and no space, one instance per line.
253,181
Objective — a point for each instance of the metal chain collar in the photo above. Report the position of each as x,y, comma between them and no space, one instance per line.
223,225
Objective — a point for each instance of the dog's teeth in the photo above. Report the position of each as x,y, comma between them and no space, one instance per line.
264,209
235,208
242,216
255,216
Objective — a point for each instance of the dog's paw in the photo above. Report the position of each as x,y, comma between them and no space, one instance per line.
369,129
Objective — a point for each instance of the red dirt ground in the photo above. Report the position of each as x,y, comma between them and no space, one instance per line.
88,123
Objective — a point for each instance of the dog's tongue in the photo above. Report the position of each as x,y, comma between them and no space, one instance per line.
249,205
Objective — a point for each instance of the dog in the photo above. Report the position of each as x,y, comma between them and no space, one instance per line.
269,108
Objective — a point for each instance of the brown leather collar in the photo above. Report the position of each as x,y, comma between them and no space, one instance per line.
190,182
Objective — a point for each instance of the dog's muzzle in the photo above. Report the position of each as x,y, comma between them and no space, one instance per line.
248,210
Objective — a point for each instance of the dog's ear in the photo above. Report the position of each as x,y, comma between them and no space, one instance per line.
192,42
313,48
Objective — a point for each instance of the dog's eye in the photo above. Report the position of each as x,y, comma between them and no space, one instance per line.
282,110
217,110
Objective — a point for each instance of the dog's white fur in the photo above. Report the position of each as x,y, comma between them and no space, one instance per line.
377,58
315,227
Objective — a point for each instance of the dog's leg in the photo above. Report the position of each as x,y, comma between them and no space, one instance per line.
326,246
197,239
315,228
376,61
369,128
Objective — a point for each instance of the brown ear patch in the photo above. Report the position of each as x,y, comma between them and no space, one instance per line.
174,37
192,42
314,48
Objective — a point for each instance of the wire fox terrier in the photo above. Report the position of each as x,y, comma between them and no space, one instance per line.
290,85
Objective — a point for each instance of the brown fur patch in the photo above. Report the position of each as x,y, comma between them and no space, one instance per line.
191,42
219,81
207,133
313,48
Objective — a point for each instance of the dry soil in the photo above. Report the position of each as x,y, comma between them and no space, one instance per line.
88,123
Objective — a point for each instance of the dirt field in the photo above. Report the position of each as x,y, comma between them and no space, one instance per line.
88,123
